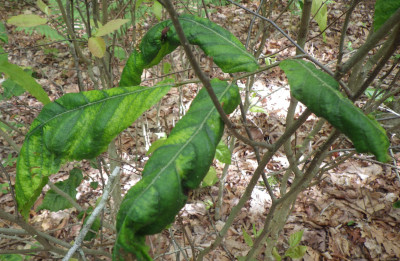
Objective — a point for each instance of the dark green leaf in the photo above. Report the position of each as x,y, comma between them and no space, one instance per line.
95,226
225,49
174,168
223,154
383,11
319,92
3,33
76,126
94,184
26,81
55,202
131,75
396,204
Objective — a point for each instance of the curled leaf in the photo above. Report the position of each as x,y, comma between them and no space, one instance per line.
225,49
76,126
178,165
319,92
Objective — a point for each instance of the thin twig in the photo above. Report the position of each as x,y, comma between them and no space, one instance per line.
92,218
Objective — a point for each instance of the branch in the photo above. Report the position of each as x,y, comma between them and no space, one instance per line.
92,218
203,78
374,39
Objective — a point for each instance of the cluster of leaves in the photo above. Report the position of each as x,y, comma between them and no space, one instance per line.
81,125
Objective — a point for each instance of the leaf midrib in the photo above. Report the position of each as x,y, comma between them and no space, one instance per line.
216,32
93,103
184,145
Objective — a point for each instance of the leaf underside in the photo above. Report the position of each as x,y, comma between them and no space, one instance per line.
225,49
76,126
319,92
178,165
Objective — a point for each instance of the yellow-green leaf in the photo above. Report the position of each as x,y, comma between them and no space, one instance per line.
28,20
97,46
320,12
26,81
111,26
157,10
43,7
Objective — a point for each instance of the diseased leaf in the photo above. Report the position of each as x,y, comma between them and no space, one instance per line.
174,168
319,92
110,27
131,75
76,126
26,20
55,202
23,79
225,49
97,46
383,11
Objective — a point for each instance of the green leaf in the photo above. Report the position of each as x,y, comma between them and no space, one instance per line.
223,154
210,179
320,12
157,10
174,168
276,255
384,9
131,75
295,238
166,68
49,32
76,126
119,52
3,34
55,202
396,204
296,252
319,92
97,46
247,238
11,88
43,7
23,79
94,227
26,20
155,145
3,55
225,49
110,27
11,257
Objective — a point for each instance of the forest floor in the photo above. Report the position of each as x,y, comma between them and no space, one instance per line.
348,215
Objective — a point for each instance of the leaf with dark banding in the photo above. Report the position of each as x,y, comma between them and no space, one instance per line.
76,126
